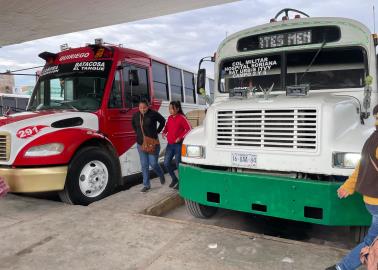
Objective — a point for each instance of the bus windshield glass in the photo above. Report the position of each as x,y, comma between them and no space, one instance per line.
78,86
330,69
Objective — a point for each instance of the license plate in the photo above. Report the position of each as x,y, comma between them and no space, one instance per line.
243,160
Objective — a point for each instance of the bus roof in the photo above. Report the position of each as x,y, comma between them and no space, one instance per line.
86,53
154,58
353,33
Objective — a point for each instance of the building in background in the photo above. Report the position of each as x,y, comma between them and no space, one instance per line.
24,89
6,84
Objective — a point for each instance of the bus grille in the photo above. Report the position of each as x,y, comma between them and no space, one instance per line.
268,129
4,146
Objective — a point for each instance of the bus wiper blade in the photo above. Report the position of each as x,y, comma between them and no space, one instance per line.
312,62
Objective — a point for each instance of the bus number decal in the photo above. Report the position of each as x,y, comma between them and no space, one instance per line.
29,131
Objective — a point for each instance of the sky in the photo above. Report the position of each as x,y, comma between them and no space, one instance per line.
182,38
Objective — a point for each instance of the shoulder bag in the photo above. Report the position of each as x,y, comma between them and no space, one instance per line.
149,144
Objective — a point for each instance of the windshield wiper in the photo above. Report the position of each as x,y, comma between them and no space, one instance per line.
312,61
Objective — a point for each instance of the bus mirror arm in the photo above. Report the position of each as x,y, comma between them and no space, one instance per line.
358,109
201,75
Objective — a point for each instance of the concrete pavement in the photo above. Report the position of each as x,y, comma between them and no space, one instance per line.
114,234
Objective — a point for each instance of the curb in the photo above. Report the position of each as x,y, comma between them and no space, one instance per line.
164,205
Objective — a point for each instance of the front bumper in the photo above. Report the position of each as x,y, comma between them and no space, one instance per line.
35,179
288,198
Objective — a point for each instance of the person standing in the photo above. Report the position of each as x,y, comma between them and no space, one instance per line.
175,131
144,124
364,180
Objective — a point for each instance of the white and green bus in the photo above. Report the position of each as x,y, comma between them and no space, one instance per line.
292,110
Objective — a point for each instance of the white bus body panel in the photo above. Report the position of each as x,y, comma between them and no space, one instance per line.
338,130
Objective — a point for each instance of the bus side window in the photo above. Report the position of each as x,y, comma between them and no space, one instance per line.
115,99
176,84
160,81
190,94
135,87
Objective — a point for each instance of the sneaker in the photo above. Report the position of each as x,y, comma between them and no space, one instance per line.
173,183
162,180
176,186
145,189
333,267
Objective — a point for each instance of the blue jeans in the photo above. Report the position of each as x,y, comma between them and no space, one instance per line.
147,160
352,260
172,150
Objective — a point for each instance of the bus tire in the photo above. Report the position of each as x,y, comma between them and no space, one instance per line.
199,210
91,176
359,233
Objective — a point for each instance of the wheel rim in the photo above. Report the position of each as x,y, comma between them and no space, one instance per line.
93,178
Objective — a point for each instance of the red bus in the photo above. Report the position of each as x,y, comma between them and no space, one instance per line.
76,136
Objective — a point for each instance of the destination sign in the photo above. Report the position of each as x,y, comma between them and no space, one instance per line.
92,68
251,67
285,39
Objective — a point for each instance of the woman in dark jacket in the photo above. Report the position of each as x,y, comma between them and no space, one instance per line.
150,119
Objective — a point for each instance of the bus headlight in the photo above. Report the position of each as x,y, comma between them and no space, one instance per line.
346,160
45,150
193,151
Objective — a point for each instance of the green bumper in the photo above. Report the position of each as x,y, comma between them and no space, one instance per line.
294,199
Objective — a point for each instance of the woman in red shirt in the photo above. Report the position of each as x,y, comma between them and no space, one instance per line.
175,131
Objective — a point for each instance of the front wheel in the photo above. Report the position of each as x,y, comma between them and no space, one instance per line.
199,210
91,176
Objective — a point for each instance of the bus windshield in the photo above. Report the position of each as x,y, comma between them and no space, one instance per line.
330,69
78,86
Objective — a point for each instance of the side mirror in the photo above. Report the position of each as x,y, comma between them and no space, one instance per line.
133,77
201,81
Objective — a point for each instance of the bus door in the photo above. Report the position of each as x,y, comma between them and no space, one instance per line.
135,88
117,118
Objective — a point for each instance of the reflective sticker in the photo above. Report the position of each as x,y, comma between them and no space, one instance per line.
29,131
